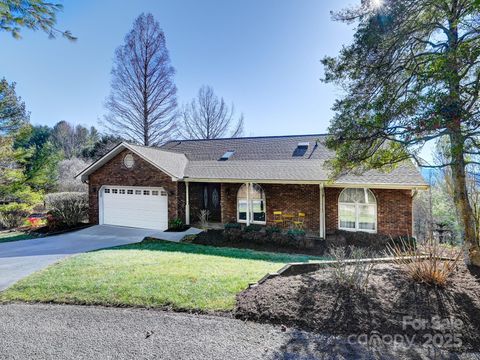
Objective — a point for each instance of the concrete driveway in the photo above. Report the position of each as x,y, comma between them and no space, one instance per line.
21,258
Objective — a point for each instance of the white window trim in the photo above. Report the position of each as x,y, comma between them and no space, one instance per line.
249,209
357,214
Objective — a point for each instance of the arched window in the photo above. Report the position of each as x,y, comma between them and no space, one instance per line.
256,196
357,210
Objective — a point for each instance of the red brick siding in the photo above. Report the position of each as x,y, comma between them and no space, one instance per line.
196,202
287,198
292,199
394,210
142,174
228,200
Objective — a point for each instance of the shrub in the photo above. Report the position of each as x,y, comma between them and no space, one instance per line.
349,268
273,230
67,208
431,263
175,224
252,228
232,225
361,239
296,233
13,215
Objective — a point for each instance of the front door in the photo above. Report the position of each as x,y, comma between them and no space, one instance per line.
211,201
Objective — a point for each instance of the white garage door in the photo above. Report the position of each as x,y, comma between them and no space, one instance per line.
141,207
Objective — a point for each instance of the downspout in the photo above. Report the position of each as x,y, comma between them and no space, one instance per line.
414,194
248,203
187,203
322,211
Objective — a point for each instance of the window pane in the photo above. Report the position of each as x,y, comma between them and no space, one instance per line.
258,209
366,217
242,209
370,197
347,216
351,195
256,192
242,192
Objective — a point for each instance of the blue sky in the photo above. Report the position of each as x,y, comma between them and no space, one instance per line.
263,55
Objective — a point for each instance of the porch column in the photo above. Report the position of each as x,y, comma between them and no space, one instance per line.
322,211
187,203
248,203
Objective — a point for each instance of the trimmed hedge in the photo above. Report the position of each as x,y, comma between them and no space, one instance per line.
67,208
375,242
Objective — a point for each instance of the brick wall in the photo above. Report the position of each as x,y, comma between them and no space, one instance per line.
142,174
394,211
228,201
287,198
194,193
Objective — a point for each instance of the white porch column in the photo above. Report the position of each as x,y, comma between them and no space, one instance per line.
248,203
187,203
322,211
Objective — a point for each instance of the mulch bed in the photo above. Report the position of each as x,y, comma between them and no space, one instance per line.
215,238
178,229
313,302
47,231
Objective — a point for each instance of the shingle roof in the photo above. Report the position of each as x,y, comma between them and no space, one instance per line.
252,148
277,158
173,163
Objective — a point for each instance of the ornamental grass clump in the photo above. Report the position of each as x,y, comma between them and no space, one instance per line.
431,263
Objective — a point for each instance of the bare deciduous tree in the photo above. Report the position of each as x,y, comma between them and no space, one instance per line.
67,170
209,117
142,101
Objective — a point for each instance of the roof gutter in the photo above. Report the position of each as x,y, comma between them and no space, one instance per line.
326,183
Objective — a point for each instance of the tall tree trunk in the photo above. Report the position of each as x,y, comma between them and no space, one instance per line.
457,146
462,203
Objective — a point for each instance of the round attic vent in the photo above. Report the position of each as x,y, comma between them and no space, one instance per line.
128,161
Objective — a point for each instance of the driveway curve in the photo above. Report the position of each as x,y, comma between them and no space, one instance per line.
21,258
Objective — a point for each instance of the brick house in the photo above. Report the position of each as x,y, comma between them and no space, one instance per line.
252,180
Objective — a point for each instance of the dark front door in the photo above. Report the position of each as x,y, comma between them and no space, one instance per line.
211,201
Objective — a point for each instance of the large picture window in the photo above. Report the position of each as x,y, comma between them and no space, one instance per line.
357,210
254,195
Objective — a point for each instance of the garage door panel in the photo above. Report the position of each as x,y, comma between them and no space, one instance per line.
126,209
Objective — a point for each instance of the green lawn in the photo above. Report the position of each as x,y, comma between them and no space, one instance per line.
14,236
152,274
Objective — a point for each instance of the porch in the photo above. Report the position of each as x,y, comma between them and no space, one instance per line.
257,203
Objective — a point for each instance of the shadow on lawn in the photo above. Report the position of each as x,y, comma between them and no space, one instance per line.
247,254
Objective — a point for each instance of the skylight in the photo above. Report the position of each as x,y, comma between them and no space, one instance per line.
227,155
301,149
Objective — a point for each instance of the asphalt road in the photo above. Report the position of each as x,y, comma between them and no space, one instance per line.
41,331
